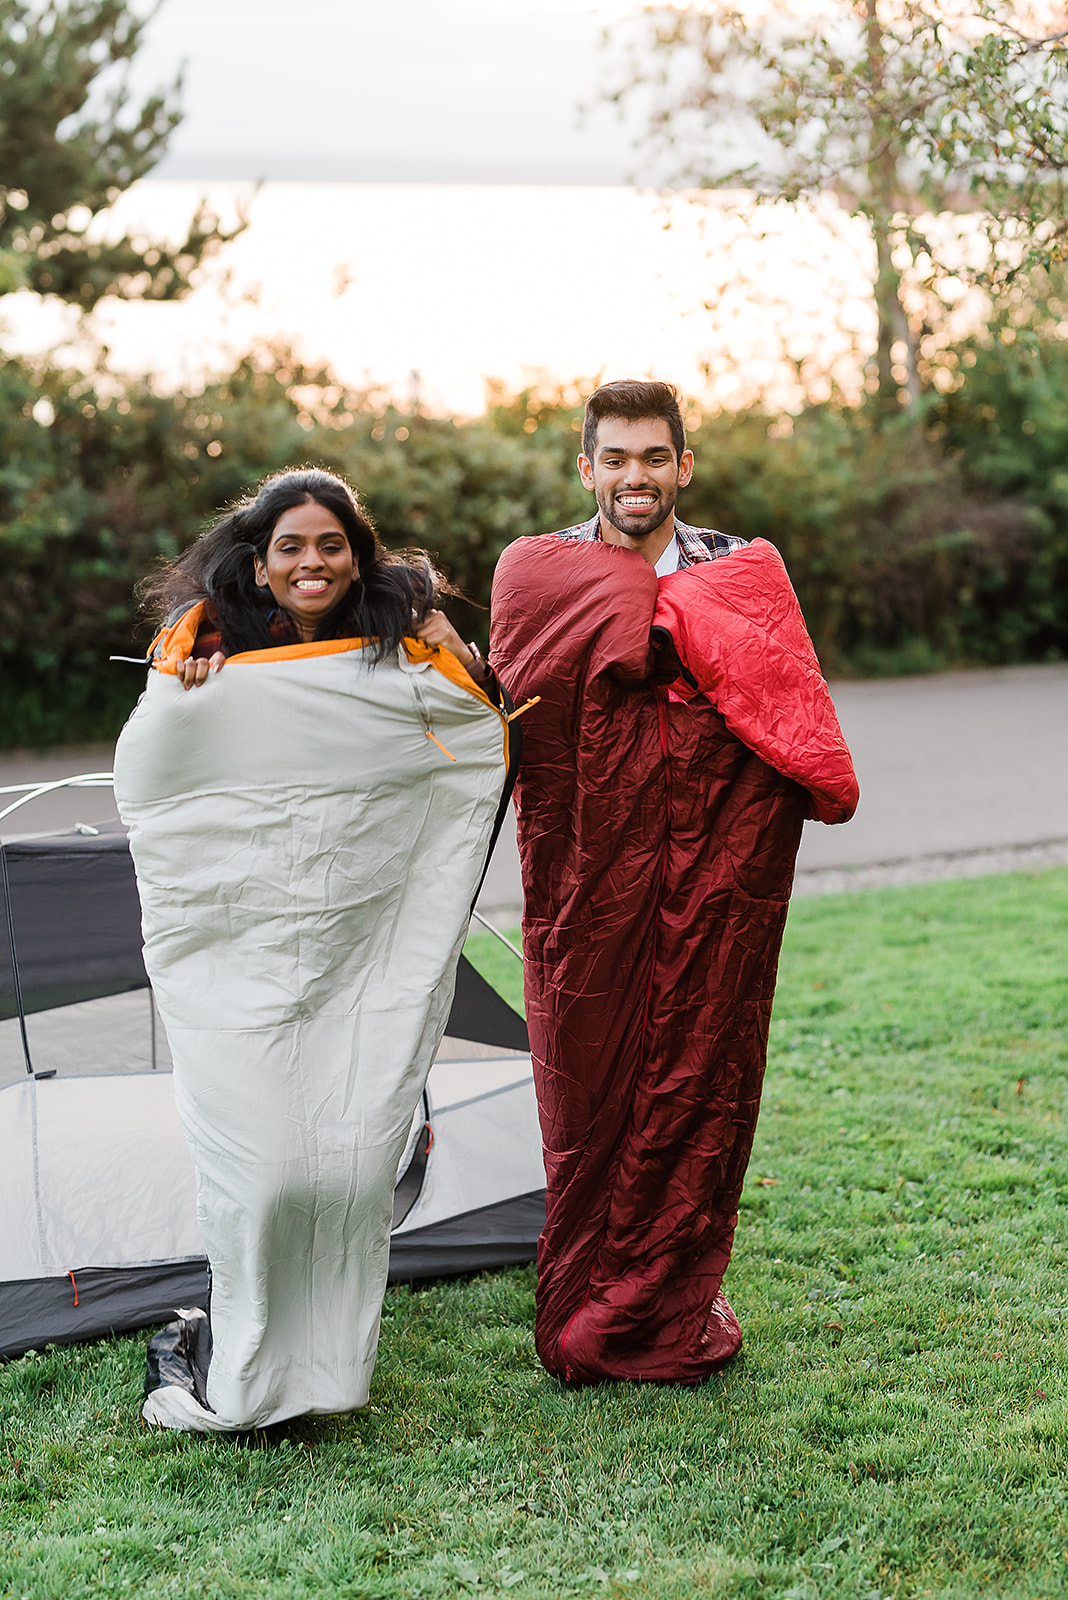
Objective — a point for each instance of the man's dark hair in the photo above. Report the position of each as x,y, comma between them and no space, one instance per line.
633,399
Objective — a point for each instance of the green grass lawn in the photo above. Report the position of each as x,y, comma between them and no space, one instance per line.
897,1424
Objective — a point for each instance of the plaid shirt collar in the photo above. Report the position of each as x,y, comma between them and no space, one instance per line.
695,544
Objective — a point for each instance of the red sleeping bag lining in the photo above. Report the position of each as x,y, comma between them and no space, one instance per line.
657,832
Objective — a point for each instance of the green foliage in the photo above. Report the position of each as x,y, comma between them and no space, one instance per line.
70,143
462,491
905,558
907,554
895,1425
1008,422
96,490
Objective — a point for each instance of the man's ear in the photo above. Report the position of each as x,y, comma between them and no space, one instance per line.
585,471
685,468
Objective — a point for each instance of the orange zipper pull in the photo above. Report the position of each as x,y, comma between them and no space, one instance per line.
439,744
525,707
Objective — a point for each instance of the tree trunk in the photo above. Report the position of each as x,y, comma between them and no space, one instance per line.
882,178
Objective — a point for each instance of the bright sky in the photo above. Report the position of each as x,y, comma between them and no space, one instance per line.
435,204
406,90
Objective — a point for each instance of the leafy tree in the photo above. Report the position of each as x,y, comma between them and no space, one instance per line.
906,110
70,143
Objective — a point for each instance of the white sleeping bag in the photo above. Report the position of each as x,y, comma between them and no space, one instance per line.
306,858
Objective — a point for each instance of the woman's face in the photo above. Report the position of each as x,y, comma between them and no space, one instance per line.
309,566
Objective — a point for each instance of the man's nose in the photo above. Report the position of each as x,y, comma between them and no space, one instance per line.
635,473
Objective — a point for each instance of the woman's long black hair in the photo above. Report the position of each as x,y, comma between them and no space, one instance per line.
393,592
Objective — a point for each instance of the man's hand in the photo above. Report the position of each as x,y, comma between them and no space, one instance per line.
194,670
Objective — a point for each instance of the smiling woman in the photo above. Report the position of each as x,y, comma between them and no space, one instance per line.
298,563
309,830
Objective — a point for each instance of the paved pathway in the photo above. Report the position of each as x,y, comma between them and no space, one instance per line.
961,773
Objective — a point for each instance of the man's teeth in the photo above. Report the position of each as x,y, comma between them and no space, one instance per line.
637,499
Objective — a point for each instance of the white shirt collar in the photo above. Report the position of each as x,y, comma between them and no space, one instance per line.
669,561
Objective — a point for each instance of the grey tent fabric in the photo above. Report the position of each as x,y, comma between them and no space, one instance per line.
95,1181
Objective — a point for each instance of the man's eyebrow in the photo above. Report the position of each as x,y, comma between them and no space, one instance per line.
620,450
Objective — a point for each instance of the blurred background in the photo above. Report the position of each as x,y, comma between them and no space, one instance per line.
405,242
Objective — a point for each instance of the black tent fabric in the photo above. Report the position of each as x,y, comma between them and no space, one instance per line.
72,921
71,931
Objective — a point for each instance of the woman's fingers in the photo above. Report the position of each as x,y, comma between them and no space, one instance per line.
194,669
438,631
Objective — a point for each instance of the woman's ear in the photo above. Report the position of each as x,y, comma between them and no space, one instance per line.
260,572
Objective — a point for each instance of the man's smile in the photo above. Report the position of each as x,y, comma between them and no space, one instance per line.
636,475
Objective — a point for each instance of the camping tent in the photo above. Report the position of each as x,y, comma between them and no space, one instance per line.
96,1184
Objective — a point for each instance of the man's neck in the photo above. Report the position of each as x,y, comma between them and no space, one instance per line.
651,547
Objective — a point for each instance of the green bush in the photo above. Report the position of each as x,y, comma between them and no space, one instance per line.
912,548
96,490
903,559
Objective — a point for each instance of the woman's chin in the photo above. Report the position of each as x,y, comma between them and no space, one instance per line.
310,618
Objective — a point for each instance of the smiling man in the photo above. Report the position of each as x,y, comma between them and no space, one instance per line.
634,459
684,732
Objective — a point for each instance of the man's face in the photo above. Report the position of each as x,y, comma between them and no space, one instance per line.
635,475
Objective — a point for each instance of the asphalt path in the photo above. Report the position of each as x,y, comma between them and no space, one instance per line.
959,773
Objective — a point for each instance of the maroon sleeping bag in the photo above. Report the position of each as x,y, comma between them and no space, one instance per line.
657,831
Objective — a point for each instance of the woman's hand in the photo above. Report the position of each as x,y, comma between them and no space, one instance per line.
437,631
194,669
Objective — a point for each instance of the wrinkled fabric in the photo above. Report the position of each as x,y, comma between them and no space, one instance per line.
657,848
739,631
306,858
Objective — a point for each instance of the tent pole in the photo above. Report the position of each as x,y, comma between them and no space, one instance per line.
34,791
498,934
15,963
